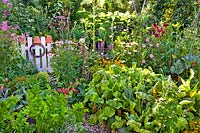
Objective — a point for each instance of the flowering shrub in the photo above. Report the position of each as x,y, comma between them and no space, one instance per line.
74,91
7,35
12,63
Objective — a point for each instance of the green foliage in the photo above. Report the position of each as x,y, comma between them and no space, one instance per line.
6,112
46,111
12,63
67,65
169,11
140,100
41,79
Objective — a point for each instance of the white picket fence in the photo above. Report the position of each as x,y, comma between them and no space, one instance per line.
37,54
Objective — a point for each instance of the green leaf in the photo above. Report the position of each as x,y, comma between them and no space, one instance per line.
182,122
182,94
102,117
109,111
183,102
185,85
134,124
197,96
193,91
114,103
191,74
116,94
93,119
86,2
96,99
119,122
132,105
145,131
179,110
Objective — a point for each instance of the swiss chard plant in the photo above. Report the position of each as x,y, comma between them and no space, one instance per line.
135,99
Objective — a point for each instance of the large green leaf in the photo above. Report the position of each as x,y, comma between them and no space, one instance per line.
96,99
134,124
109,111
114,103
119,122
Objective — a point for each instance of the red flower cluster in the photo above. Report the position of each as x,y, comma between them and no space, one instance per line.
69,87
64,91
158,30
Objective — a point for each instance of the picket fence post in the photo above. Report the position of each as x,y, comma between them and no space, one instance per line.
42,62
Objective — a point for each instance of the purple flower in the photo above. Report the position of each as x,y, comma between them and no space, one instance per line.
4,1
10,5
143,46
143,61
147,39
7,12
111,46
12,38
151,56
150,45
157,45
4,26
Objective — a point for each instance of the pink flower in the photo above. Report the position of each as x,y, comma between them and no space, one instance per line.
70,83
74,90
150,45
62,90
21,38
165,25
76,83
147,39
143,46
5,35
83,50
27,35
4,1
156,34
7,12
12,35
17,27
151,56
143,61
69,41
12,38
155,26
66,91
4,26
150,32
157,45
